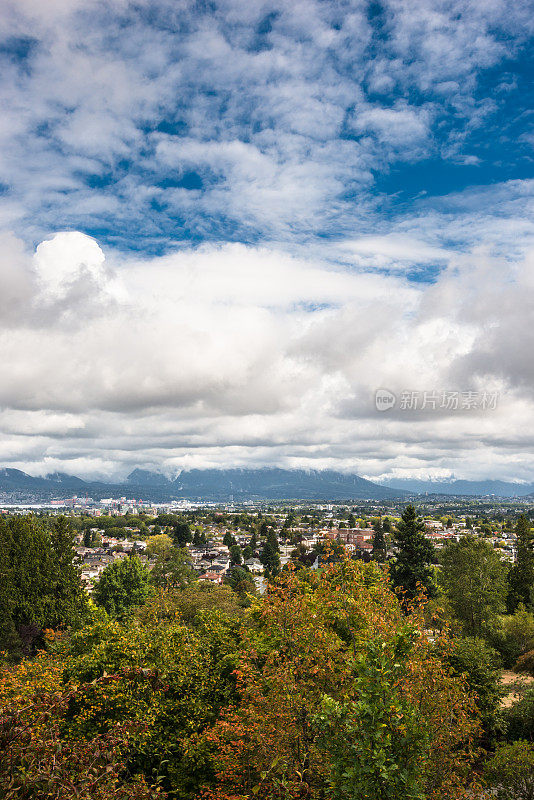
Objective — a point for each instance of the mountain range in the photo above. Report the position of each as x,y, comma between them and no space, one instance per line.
242,484
207,484
268,483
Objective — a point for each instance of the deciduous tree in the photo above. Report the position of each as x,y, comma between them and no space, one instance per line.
158,544
521,575
342,696
123,585
474,580
510,773
173,569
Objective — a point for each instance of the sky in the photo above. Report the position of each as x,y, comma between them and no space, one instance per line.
225,225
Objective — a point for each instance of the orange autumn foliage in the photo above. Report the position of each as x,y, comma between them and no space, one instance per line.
341,640
37,762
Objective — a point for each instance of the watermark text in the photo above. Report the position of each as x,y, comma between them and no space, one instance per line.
436,400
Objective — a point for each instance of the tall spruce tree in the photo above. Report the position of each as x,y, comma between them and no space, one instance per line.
414,557
39,583
70,598
181,534
521,575
269,556
236,555
9,639
380,551
229,539
253,543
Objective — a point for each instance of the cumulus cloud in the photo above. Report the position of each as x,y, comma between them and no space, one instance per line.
16,279
232,354
226,225
66,258
400,128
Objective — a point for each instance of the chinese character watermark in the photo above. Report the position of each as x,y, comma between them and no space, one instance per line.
436,400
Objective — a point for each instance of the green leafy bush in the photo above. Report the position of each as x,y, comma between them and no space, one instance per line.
510,773
479,664
519,718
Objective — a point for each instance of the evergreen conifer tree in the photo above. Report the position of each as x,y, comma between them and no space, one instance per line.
379,541
39,583
181,534
236,556
9,640
69,596
521,575
415,554
228,539
269,556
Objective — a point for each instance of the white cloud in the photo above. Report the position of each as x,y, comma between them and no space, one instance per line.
16,279
287,114
263,116
399,127
395,251
240,355
69,256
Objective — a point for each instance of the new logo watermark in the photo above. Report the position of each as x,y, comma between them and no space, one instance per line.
384,399
436,400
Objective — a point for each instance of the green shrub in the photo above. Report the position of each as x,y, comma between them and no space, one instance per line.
514,636
479,663
510,773
525,663
519,718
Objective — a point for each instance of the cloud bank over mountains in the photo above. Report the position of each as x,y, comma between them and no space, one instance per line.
243,355
223,227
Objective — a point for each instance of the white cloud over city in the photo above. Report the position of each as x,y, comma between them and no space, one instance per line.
222,230
242,355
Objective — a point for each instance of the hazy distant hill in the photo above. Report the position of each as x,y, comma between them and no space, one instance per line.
210,484
267,483
17,486
144,477
242,484
471,488
15,480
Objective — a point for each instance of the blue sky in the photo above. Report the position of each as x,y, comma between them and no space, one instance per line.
182,155
148,124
